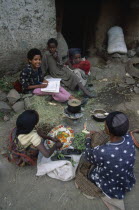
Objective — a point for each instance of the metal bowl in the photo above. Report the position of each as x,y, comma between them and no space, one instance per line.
99,115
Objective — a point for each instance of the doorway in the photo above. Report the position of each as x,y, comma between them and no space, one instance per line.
77,22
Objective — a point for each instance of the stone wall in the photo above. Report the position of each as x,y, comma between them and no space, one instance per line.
24,24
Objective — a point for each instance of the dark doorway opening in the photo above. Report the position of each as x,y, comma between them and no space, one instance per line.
77,22
84,24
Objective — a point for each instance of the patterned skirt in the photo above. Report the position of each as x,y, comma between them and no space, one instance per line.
18,154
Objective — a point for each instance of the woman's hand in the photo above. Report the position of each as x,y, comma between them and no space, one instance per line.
58,145
55,55
41,133
45,81
43,85
55,140
90,134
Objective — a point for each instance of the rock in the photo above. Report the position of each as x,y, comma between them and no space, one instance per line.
116,55
136,90
131,53
4,107
13,96
131,67
104,80
19,106
119,57
6,118
27,95
27,102
99,77
62,46
138,85
122,85
128,75
131,89
3,96
130,81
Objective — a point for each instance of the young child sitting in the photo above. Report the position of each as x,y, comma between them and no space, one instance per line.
80,65
31,78
77,61
26,141
53,62
113,163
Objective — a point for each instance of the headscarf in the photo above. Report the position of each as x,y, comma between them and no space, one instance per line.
26,122
73,51
117,123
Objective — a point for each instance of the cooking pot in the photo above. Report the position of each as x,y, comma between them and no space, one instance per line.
74,105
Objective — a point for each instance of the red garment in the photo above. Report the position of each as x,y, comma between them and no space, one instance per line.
84,65
17,86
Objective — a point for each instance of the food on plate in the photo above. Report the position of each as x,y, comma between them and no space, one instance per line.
64,134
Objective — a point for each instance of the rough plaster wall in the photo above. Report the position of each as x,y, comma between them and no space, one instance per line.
108,17
132,25
24,24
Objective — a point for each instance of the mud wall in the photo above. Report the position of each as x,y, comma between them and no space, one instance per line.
24,24
109,16
121,13
132,25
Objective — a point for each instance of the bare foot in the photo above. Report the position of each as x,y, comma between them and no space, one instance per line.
72,97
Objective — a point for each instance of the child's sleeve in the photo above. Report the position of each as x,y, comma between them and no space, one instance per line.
35,140
24,79
41,77
89,151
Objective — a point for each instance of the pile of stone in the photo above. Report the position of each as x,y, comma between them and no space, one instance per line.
130,61
13,101
131,83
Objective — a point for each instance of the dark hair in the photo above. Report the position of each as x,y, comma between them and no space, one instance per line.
52,41
117,123
26,122
31,53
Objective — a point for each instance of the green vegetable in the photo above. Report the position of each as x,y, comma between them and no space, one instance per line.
73,162
79,141
59,132
60,155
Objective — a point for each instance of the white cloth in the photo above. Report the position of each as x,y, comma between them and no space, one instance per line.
113,203
116,42
61,169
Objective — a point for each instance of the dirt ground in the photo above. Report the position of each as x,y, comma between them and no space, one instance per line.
20,189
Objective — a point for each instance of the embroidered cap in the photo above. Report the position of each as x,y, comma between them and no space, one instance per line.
117,123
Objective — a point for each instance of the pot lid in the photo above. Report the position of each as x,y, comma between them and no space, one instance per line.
74,102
